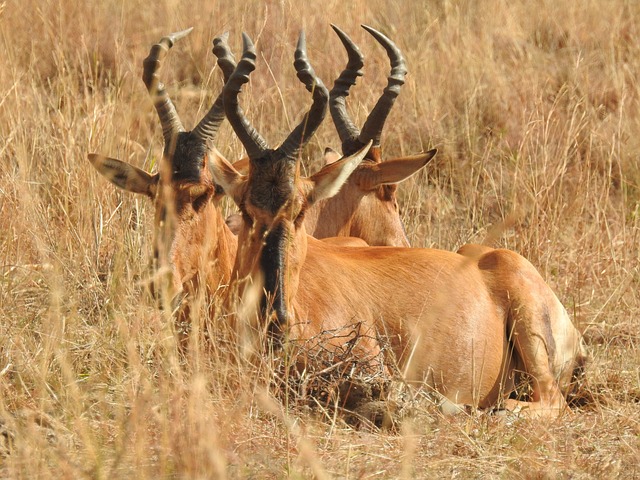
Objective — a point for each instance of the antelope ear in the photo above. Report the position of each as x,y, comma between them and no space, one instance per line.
225,175
234,222
392,171
331,156
328,181
124,175
242,165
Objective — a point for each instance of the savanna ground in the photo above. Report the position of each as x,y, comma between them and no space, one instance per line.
535,110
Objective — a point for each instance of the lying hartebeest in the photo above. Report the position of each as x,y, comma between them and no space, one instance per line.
462,325
192,243
366,206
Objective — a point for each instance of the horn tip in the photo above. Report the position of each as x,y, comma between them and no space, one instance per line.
247,43
181,34
302,42
378,35
223,37
352,49
220,45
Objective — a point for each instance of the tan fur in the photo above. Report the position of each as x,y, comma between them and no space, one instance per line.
192,242
461,324
365,207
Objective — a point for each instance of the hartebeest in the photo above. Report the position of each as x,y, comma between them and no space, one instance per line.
192,242
366,206
194,250
462,325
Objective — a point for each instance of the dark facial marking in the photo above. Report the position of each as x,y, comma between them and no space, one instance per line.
187,159
202,200
272,184
219,191
272,265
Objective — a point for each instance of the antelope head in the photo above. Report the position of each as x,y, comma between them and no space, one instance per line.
367,206
272,197
189,230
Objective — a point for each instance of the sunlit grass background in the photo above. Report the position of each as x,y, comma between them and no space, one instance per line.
534,108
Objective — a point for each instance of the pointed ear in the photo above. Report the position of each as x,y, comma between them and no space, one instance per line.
125,176
328,181
242,165
392,171
234,222
331,156
226,176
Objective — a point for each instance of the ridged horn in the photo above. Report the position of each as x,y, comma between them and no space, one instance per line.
375,121
169,119
208,127
252,141
300,135
347,130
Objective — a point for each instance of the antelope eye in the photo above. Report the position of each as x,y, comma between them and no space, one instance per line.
200,202
246,218
199,196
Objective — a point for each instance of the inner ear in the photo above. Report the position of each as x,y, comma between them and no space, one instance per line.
329,180
242,165
225,175
330,156
124,175
392,171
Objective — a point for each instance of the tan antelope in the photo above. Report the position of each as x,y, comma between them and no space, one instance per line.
192,244
462,325
366,206
193,247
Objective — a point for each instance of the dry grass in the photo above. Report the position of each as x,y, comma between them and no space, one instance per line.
534,107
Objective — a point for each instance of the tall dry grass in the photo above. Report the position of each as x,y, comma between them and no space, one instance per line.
534,107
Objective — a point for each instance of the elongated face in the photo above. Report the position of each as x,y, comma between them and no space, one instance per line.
272,205
185,220
181,192
273,200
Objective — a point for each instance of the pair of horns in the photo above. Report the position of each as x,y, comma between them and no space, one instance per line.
237,75
252,141
353,139
207,128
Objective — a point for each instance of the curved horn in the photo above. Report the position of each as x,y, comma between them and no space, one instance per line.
300,135
252,141
171,124
373,126
207,129
226,60
347,130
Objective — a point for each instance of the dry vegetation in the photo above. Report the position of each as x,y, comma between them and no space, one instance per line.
535,110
